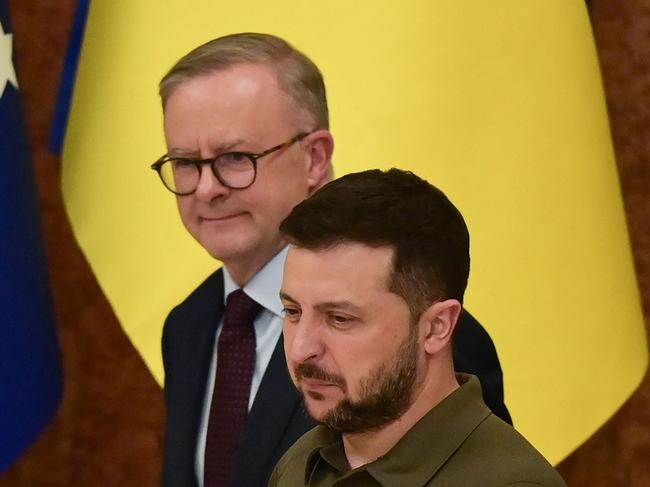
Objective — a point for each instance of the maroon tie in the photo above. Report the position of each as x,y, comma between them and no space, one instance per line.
232,386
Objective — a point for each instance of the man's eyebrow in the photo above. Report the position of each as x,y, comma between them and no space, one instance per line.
342,305
176,152
326,305
284,296
220,149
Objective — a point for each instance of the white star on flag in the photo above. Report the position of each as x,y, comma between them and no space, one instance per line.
7,71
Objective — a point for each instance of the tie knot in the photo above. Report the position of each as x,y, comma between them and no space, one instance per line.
240,307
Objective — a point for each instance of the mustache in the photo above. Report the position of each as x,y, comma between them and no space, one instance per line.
313,371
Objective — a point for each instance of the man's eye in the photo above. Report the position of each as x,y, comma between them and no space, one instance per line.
291,313
182,163
233,158
341,321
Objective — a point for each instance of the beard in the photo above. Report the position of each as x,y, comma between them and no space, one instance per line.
385,394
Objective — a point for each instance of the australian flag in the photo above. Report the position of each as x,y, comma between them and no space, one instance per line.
31,380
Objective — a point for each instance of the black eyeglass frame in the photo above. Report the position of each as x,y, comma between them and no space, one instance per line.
199,163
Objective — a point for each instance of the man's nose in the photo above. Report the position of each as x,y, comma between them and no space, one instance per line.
209,187
303,342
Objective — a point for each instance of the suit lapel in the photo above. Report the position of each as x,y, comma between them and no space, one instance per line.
198,346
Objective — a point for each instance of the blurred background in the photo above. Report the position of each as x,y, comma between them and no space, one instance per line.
108,430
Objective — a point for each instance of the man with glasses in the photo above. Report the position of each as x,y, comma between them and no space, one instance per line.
246,126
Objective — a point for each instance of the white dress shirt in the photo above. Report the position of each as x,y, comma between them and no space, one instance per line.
264,288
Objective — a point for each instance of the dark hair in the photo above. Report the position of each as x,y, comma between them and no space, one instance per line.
298,76
393,208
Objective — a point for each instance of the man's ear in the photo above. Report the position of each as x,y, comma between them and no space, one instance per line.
439,321
320,146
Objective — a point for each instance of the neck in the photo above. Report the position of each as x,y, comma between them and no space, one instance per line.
243,270
364,448
241,275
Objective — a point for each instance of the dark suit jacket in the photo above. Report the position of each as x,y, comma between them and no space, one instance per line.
277,417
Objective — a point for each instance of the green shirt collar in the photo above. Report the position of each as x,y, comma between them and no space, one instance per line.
421,452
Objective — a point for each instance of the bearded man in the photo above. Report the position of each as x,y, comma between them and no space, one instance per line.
372,292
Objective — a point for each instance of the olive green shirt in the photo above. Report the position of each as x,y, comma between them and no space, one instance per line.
458,443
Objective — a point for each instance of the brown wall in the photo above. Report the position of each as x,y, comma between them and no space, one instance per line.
108,430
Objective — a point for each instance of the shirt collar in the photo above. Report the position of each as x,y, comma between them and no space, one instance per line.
264,287
329,448
424,449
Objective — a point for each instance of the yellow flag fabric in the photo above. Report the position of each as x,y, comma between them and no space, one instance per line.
499,103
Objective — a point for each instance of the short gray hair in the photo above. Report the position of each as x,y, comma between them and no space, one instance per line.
297,75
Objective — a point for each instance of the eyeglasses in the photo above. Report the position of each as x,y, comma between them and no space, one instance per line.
235,170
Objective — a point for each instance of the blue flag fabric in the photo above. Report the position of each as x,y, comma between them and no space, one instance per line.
31,379
66,86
